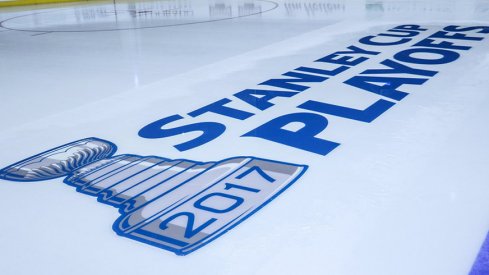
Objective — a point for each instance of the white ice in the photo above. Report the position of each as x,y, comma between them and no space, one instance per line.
407,194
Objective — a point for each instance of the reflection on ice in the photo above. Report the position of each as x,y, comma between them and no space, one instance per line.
407,8
135,15
314,8
113,15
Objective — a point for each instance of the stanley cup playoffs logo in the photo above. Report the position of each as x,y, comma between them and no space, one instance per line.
178,205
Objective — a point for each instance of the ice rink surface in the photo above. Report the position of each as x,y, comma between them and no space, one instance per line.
405,191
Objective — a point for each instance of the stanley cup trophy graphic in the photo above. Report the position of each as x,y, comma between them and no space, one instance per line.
177,205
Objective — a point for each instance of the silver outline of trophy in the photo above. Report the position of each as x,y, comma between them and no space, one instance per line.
178,205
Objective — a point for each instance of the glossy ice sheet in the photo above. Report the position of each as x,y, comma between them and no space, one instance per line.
405,194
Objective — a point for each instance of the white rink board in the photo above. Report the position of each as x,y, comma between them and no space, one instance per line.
406,193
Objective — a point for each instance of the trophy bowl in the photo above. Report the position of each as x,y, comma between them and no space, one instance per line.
59,161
